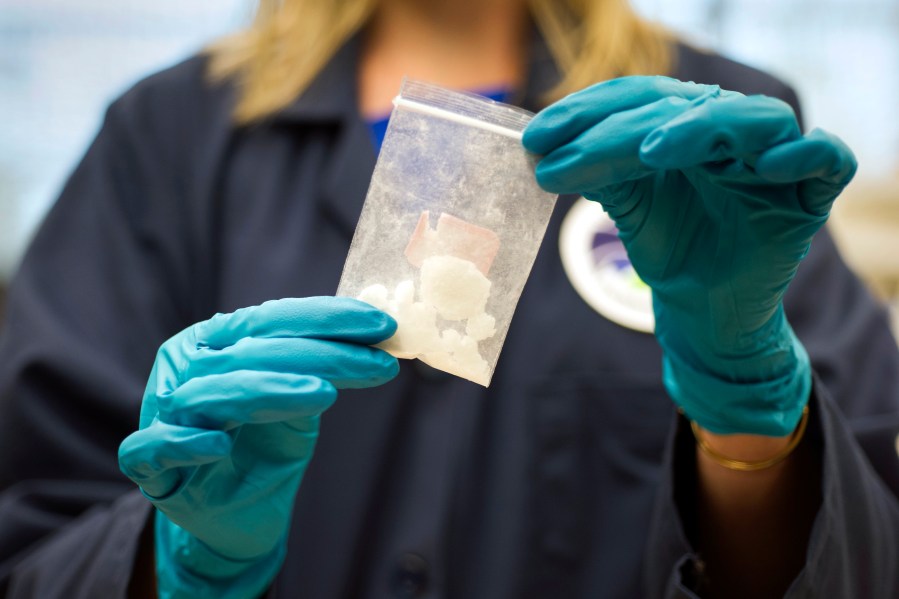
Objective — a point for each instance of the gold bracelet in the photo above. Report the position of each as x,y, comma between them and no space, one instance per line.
742,466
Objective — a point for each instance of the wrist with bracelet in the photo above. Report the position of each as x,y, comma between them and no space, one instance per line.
751,466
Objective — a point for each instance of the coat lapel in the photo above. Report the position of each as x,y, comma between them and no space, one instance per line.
331,100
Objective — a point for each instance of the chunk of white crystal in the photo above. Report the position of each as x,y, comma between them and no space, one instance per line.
453,293
376,295
455,287
404,293
481,326
459,356
416,331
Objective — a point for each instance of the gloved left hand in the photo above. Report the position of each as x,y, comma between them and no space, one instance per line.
716,197
228,425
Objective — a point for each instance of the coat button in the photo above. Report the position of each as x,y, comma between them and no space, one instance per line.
410,578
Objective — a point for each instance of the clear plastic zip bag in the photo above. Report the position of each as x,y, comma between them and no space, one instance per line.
450,228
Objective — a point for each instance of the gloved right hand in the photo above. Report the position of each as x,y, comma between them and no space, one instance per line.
716,197
228,425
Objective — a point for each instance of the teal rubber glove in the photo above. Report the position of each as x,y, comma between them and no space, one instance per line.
228,425
716,197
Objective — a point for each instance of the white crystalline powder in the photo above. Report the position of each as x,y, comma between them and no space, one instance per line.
480,327
376,295
452,291
405,293
455,287
450,339
416,331
459,355
469,359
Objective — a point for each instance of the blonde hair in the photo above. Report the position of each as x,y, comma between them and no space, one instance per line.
290,41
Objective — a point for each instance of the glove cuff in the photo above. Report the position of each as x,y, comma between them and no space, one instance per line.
725,404
186,568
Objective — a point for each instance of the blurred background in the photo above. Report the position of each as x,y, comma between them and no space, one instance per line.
63,61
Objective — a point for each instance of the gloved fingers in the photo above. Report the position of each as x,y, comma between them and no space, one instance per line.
226,401
336,318
563,121
345,365
727,127
154,457
821,161
607,153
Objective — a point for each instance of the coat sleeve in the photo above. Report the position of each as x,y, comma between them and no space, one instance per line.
854,545
94,298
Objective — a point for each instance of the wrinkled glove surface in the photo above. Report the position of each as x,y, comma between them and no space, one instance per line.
716,196
228,424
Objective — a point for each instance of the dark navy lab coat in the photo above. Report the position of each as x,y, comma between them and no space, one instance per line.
557,481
